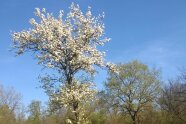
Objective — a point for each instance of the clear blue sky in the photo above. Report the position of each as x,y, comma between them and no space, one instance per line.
153,31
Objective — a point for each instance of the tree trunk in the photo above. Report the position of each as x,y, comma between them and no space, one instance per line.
76,114
134,119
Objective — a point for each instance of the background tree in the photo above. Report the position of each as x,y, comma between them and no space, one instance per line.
9,97
10,102
68,46
6,115
35,113
134,88
21,115
173,100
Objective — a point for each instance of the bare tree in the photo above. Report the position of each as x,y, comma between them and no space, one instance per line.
10,98
173,99
10,102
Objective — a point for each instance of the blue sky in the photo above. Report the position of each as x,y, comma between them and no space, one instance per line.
153,32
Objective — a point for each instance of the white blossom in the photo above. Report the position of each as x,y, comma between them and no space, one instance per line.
79,92
68,46
56,40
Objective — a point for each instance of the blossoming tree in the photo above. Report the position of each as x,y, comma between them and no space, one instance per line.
68,46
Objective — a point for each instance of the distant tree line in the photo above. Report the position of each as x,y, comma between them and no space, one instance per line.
135,94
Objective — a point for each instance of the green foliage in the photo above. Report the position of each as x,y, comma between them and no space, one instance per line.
34,110
133,88
6,115
98,117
